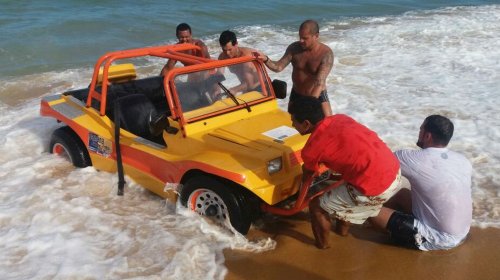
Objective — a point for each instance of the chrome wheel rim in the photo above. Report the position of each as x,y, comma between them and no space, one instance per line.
207,203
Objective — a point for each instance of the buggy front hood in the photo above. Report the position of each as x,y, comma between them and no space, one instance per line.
260,133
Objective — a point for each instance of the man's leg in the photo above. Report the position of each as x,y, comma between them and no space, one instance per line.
327,108
342,227
320,223
380,221
401,201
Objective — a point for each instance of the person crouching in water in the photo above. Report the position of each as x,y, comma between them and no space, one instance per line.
368,167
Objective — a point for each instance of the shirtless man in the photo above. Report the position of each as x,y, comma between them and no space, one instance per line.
246,73
183,33
312,61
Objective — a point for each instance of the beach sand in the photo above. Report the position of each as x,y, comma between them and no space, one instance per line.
363,254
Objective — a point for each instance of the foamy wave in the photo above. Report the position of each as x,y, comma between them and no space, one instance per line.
390,72
386,68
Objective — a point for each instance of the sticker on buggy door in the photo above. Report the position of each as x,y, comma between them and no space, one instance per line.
100,145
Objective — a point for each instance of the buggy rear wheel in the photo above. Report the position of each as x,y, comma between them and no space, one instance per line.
66,143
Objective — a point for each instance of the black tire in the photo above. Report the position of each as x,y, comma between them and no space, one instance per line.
65,142
222,202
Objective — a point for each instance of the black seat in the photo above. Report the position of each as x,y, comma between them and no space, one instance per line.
135,112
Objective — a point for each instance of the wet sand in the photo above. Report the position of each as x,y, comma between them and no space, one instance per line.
363,254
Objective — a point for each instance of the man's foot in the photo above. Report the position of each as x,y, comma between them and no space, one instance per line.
321,246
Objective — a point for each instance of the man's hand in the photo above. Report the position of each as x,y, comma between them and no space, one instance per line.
261,56
306,175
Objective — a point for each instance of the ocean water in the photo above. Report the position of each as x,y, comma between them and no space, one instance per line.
395,63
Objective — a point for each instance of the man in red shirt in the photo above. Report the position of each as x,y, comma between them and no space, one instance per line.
367,165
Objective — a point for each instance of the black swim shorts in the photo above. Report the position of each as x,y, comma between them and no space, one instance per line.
323,97
400,226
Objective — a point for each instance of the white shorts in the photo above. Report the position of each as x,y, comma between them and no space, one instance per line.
348,204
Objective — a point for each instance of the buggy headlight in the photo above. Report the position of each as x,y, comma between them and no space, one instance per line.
274,165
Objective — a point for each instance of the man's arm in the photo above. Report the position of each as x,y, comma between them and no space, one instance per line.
408,162
169,66
324,69
306,174
221,56
204,49
247,79
243,86
278,66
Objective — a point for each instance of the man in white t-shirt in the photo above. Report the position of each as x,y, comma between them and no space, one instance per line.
437,212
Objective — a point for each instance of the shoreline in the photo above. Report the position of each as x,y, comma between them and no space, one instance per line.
363,254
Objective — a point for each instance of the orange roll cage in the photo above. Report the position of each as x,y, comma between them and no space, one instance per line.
302,200
170,51
195,63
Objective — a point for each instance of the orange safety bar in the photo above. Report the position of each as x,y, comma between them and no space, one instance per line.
204,59
302,200
187,58
169,51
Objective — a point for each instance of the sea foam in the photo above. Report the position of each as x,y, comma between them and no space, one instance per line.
390,73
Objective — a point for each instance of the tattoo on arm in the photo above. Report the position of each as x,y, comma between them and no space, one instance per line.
324,69
278,66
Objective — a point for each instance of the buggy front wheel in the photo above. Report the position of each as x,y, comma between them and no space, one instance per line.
222,202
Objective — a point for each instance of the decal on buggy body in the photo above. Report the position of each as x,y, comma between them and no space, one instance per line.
100,145
281,133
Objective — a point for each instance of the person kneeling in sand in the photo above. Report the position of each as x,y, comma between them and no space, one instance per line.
437,212
368,167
